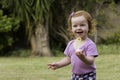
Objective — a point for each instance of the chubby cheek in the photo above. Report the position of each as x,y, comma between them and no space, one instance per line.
86,29
73,30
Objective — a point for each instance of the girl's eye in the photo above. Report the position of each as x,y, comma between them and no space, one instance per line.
74,25
82,24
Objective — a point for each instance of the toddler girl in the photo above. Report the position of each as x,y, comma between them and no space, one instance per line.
80,52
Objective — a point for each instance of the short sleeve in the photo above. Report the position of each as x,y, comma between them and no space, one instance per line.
92,50
67,49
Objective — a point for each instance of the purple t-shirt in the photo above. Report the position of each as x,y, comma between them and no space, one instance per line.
79,67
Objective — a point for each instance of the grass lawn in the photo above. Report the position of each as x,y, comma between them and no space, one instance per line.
108,68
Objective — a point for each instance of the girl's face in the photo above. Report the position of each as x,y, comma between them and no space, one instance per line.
79,27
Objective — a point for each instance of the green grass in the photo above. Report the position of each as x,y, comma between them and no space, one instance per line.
109,49
108,67
36,68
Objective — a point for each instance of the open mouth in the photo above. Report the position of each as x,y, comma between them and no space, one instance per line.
79,32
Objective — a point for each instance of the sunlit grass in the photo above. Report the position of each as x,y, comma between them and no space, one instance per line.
109,49
36,68
30,69
108,67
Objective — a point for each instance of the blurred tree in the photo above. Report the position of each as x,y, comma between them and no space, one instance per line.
35,14
49,17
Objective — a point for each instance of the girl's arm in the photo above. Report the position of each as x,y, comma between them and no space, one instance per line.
89,60
65,61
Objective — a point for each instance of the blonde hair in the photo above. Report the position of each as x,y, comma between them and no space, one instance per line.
91,21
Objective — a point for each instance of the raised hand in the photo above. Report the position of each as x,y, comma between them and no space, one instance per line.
80,53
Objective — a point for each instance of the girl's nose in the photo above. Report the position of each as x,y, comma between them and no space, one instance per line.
78,27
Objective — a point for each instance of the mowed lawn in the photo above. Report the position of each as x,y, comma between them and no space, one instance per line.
108,68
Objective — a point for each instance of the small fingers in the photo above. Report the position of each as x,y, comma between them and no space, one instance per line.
80,54
52,66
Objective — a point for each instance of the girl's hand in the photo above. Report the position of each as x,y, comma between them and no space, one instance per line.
80,54
53,66
64,62
86,59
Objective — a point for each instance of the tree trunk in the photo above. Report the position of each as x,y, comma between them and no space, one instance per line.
40,41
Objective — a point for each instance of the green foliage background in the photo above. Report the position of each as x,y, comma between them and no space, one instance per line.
13,31
8,25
